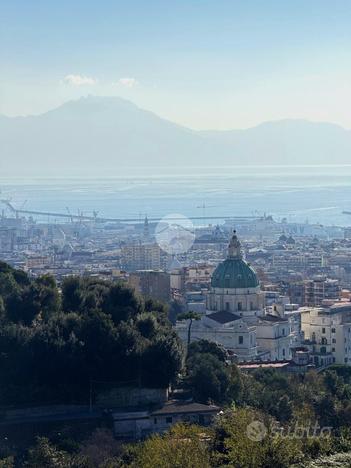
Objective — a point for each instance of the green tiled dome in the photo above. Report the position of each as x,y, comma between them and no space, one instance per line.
234,272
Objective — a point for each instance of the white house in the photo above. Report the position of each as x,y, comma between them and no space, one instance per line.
273,334
329,331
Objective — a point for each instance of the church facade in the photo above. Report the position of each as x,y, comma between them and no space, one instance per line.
235,287
235,313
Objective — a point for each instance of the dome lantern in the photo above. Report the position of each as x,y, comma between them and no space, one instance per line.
234,248
234,272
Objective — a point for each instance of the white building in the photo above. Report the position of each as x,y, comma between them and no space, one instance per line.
226,329
329,331
274,335
235,287
235,315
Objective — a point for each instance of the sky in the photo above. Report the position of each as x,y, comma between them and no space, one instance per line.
215,64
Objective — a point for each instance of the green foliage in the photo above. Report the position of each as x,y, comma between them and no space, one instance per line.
175,310
182,447
121,304
205,346
234,444
100,448
53,343
343,371
51,347
7,462
208,378
191,316
46,455
71,294
208,375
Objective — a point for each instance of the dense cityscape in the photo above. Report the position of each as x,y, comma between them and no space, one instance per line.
175,234
245,295
288,283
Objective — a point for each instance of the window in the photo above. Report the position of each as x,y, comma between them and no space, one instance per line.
333,330
169,420
283,331
345,360
227,306
240,306
241,339
155,420
333,340
333,350
283,351
323,330
251,305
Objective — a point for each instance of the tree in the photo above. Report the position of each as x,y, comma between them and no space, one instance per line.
183,447
212,380
100,331
161,361
71,294
244,438
175,310
284,409
7,462
44,454
2,309
326,411
333,382
121,303
100,447
205,346
23,306
191,316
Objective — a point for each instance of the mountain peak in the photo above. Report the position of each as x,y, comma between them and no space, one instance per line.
99,134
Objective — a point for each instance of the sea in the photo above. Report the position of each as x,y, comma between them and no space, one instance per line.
312,194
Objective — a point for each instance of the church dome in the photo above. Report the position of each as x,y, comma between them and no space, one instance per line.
234,272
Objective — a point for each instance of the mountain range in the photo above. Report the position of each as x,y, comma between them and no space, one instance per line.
102,136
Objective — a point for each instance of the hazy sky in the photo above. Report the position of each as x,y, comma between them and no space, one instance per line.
204,64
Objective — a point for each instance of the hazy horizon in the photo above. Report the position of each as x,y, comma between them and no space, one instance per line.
87,96
209,65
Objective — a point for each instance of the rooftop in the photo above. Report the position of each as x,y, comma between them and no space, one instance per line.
178,406
272,318
223,317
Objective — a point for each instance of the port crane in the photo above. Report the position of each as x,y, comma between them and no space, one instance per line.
95,218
